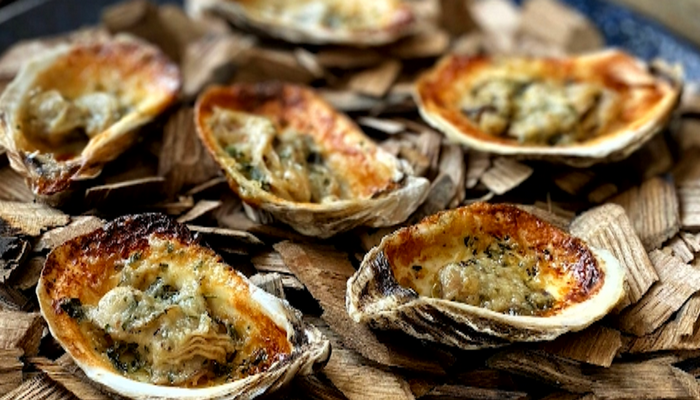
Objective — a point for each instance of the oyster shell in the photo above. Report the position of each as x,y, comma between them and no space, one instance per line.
579,110
149,313
349,22
484,276
76,107
288,152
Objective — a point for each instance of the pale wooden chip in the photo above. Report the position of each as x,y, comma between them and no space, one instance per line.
183,160
469,44
21,330
131,192
676,334
689,199
679,248
29,218
347,101
624,380
13,252
455,17
266,64
13,187
28,276
355,377
653,210
270,261
477,164
271,283
201,208
573,181
375,81
204,186
428,43
677,282
11,299
79,226
309,61
182,204
452,163
216,235
597,345
11,373
428,143
80,388
442,191
547,216
387,126
38,387
505,175
692,240
559,209
602,193
325,271
552,21
609,228
470,392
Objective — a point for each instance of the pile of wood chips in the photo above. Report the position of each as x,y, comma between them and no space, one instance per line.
645,210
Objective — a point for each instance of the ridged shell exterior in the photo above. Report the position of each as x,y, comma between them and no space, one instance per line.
138,71
310,349
374,296
438,92
399,21
399,193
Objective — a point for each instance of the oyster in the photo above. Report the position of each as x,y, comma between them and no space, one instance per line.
287,152
78,106
579,110
349,22
484,276
149,313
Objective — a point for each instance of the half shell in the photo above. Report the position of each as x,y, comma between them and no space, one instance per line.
579,110
349,22
484,276
288,152
149,313
76,107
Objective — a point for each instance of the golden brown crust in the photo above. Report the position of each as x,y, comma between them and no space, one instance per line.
83,268
560,253
291,106
647,99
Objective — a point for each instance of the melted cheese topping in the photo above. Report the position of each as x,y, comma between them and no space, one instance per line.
537,111
166,321
285,163
53,119
334,14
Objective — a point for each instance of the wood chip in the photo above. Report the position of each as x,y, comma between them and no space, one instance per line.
325,271
28,218
595,345
375,81
470,44
309,61
13,187
347,101
477,164
21,330
270,261
266,64
426,44
602,193
387,126
10,372
468,392
441,192
80,388
453,164
13,251
653,159
201,208
499,19
688,134
28,276
550,217
679,248
182,204
455,17
505,175
218,235
691,240
689,205
677,334
183,160
348,58
11,299
554,22
316,387
38,387
653,210
271,283
630,380
126,194
608,227
573,181
677,282
79,226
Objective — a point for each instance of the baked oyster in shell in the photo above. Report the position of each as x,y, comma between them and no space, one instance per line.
484,276
149,313
288,152
579,110
74,108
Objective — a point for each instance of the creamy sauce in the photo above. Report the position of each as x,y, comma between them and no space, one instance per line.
286,163
164,322
539,111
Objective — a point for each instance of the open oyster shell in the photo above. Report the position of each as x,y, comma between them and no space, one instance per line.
348,22
484,276
76,107
149,313
288,152
578,110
